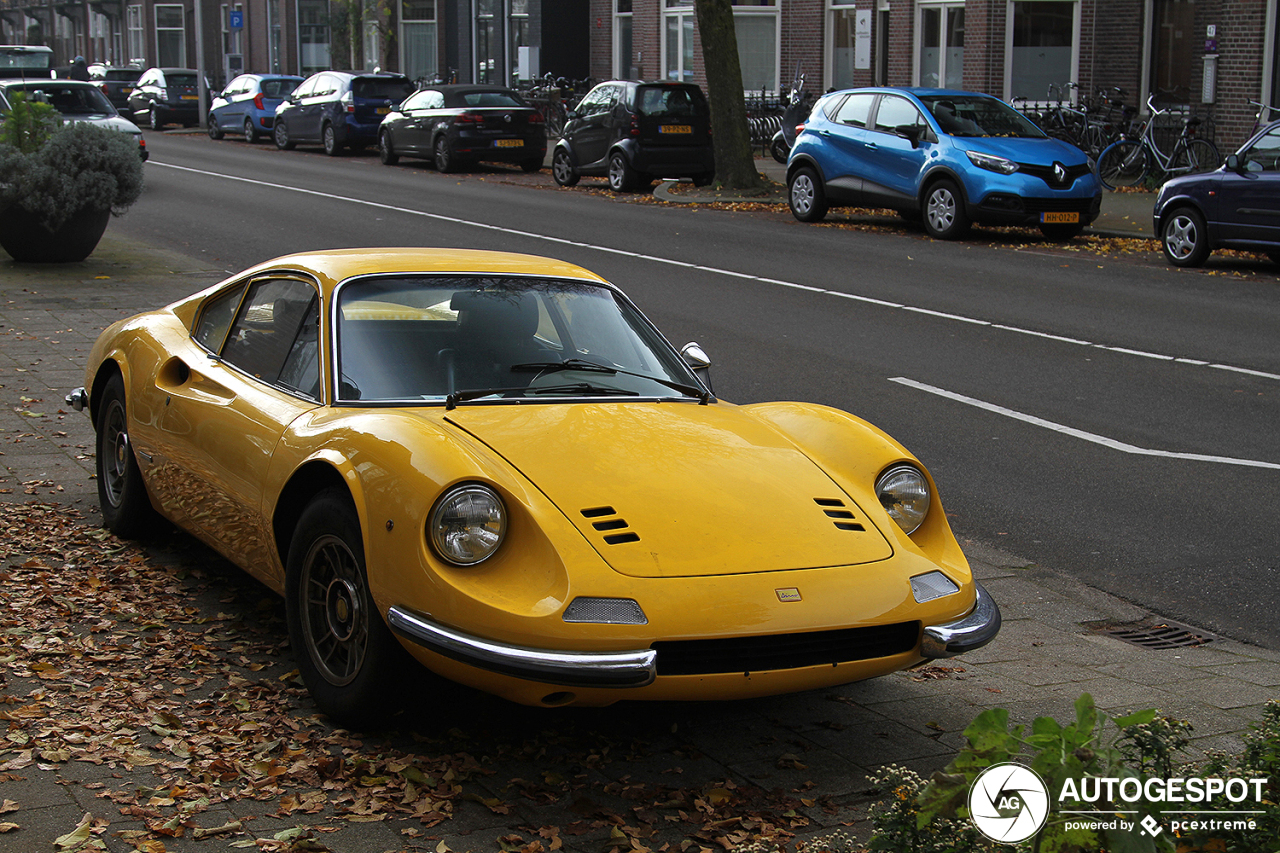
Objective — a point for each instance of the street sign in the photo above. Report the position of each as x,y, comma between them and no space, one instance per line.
235,20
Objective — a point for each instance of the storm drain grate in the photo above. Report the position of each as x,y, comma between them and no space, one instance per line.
1154,635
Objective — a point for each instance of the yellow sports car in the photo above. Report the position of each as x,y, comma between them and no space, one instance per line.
496,463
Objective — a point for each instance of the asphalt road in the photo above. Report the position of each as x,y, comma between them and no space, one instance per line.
1110,418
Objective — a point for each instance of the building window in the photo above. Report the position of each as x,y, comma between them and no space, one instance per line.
677,40
755,22
1042,46
171,37
313,35
137,35
623,50
418,39
1173,34
372,46
941,28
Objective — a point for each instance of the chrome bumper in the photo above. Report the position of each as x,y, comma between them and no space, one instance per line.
965,634
78,399
573,669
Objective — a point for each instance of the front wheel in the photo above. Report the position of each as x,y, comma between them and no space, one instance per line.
347,656
1184,238
562,171
281,136
1123,164
214,131
805,195
386,153
1199,155
126,509
944,215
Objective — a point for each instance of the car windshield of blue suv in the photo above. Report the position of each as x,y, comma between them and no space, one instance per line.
960,115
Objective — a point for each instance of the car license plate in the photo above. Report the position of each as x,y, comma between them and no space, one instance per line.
190,97
126,89
1070,216
508,143
674,128
384,110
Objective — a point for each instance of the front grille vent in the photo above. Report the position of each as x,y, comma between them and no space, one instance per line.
835,509
615,529
785,651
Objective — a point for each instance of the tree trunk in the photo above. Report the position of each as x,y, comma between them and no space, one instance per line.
730,135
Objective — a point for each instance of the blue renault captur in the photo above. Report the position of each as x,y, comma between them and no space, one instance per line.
951,158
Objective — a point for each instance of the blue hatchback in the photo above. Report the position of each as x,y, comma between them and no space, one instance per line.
248,105
952,158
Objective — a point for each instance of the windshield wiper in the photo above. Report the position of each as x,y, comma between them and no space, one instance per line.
582,364
452,400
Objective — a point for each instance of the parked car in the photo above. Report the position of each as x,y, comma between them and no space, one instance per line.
496,463
635,132
248,105
456,125
117,83
23,60
1235,207
75,101
949,157
339,109
165,96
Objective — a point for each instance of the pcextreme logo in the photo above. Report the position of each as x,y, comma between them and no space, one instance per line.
1008,803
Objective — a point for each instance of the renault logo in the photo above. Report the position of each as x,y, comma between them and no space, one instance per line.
1060,173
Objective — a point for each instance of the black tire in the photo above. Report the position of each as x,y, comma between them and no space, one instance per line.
281,136
446,162
214,131
250,131
944,214
780,150
1274,256
704,180
1123,164
1199,156
349,660
329,141
531,165
126,509
806,196
1061,232
156,120
562,171
622,178
386,153
1184,238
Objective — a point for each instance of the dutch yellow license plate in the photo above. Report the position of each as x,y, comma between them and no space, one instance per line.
508,143
1062,216
675,128
384,110
190,97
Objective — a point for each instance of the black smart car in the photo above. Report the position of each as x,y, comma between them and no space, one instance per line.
636,132
456,125
165,96
339,109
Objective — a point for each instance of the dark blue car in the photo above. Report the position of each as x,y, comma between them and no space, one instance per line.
1235,207
248,104
948,157
339,109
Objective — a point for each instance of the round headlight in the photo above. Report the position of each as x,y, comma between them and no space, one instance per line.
904,493
468,524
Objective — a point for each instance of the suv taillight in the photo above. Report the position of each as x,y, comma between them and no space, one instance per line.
635,125
103,87
257,101
348,103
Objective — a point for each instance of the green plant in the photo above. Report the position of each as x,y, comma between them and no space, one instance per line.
897,826
28,124
76,167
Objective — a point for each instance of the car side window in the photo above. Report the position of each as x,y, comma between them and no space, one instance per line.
895,112
855,110
215,318
268,334
1265,153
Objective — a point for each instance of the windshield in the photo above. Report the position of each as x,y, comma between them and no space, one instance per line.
26,58
69,99
485,338
977,115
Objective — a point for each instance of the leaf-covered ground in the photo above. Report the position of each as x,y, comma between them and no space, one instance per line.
159,682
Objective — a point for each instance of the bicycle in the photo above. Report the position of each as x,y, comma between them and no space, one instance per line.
1129,162
1263,117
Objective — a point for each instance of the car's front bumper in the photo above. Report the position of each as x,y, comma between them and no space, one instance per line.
969,632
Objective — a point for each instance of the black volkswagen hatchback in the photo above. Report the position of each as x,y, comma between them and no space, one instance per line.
636,132
339,109
456,125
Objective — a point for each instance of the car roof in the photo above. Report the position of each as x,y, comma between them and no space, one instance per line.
469,87
41,82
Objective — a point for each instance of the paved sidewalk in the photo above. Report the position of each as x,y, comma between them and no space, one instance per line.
815,748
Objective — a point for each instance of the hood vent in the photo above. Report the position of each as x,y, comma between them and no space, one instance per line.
841,516
606,520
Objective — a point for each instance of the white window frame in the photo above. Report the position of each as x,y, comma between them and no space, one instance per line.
621,70
834,10
136,34
182,42
774,10
434,21
1008,47
917,53
676,10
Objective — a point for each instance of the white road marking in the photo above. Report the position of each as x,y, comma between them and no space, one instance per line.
1081,434
719,271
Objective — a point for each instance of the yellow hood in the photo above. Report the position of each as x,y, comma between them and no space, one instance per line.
678,489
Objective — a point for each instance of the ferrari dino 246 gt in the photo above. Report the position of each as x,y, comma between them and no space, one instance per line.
496,463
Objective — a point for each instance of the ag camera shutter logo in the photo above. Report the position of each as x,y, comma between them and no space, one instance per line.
1008,803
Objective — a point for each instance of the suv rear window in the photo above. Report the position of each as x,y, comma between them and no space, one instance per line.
671,101
180,79
278,88
382,88
123,74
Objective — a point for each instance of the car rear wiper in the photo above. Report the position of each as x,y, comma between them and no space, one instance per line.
452,400
590,366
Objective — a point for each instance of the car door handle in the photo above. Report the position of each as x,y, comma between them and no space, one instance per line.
871,145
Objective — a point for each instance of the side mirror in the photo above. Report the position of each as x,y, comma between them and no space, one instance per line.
909,132
698,361
1233,163
571,115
